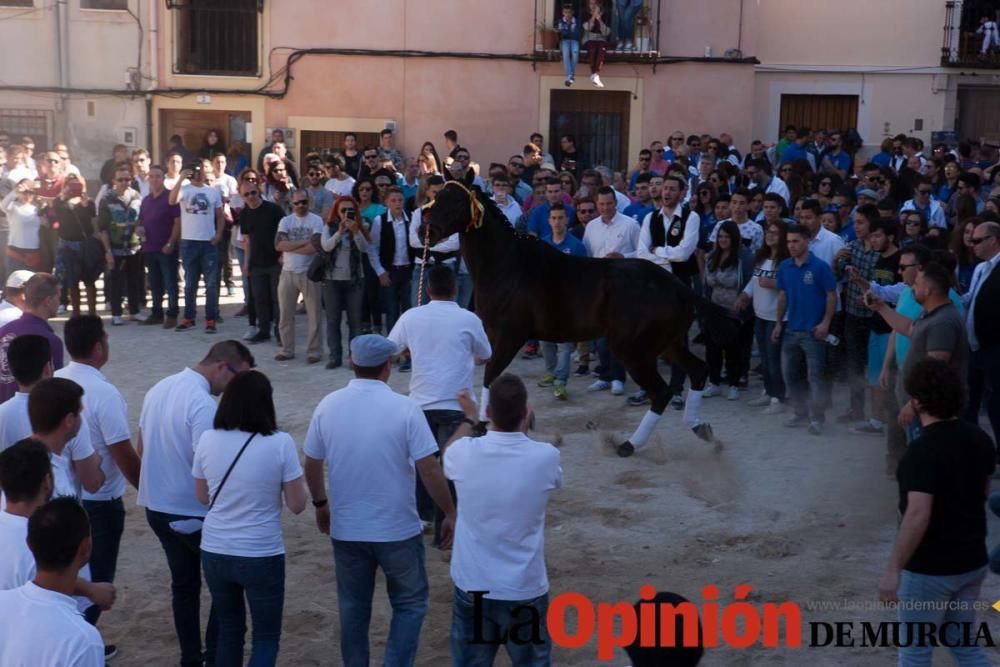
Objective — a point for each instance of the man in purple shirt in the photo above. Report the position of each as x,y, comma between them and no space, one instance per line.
160,231
41,301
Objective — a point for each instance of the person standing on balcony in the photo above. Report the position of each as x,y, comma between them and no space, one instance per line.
569,42
991,37
627,10
595,39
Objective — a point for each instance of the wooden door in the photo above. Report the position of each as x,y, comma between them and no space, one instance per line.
598,120
193,124
819,112
977,114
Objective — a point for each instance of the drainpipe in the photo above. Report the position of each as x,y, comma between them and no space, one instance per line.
154,71
62,51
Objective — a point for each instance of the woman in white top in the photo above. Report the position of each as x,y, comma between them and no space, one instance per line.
763,291
241,469
24,242
346,243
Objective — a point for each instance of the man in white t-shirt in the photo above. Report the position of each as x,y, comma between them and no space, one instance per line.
446,342
338,182
39,622
202,226
373,441
502,553
298,240
175,412
107,417
12,306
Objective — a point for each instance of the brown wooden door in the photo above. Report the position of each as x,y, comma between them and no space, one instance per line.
193,124
598,120
826,112
977,113
323,141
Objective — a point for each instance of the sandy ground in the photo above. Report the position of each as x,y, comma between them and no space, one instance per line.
799,517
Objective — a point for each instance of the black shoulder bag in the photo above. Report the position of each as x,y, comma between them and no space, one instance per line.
231,466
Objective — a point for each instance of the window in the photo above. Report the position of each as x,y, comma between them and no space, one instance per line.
218,37
17,3
104,4
20,123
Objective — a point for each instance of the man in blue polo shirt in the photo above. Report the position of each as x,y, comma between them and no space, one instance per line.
835,159
644,204
807,294
796,150
538,220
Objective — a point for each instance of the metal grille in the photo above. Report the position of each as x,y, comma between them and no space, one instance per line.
17,3
104,4
962,45
598,121
645,22
18,123
218,37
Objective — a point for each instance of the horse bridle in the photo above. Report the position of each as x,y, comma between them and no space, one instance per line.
476,212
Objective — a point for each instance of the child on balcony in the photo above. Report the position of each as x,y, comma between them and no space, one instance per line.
991,37
595,39
569,42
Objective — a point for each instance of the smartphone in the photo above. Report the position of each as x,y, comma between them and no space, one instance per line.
868,299
351,215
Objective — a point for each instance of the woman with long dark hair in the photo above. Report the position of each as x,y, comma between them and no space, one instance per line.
912,228
962,249
366,195
211,145
430,161
762,290
243,468
344,281
728,269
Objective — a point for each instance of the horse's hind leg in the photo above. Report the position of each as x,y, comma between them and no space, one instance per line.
697,371
505,347
643,370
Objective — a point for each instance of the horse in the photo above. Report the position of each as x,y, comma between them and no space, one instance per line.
527,290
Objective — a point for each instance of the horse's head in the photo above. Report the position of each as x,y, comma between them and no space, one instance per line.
455,209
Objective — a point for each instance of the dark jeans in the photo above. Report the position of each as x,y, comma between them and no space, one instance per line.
236,582
184,560
994,505
612,367
734,353
107,522
406,584
200,260
798,349
984,375
126,278
371,305
339,297
499,622
247,293
770,359
226,258
396,297
856,333
443,425
162,270
264,289
595,55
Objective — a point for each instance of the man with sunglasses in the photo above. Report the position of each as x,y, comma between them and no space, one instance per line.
340,182
460,167
259,220
643,167
923,201
298,239
158,220
982,324
760,175
117,222
319,195
522,187
370,163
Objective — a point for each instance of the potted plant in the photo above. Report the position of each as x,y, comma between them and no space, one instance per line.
549,37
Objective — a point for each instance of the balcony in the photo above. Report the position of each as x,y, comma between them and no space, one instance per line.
643,47
217,37
962,46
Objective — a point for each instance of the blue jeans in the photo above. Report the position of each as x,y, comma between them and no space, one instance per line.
184,560
107,522
406,584
200,260
959,588
339,297
557,359
443,424
798,348
570,56
613,368
770,359
627,10
464,285
162,271
497,618
235,582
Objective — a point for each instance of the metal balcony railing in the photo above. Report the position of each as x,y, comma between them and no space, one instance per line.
963,45
643,46
218,37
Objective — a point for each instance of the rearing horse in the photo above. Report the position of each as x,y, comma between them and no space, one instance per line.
526,289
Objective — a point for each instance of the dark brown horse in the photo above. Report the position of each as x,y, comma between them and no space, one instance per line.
527,290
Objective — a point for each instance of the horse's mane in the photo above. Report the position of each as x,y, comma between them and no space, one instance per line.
497,217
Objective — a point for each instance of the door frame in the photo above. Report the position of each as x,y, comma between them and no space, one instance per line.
840,87
633,87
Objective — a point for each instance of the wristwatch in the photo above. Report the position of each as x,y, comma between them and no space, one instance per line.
320,503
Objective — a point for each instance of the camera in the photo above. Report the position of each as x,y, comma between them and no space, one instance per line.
352,215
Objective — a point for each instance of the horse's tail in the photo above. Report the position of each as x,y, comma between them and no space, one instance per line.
715,321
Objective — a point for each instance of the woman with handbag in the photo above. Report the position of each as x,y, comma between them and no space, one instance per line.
345,243
72,217
242,469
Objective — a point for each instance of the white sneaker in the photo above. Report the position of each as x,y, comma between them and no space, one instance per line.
711,390
117,321
617,388
599,385
140,317
597,80
251,332
776,407
733,394
761,401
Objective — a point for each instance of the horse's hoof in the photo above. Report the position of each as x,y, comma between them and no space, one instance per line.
704,431
625,449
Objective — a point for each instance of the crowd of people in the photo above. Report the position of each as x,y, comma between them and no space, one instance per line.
878,272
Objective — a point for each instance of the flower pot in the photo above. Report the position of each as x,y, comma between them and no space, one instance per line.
550,40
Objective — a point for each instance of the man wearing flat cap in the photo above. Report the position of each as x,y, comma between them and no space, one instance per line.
373,442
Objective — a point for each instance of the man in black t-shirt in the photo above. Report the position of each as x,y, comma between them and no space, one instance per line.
939,557
259,223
